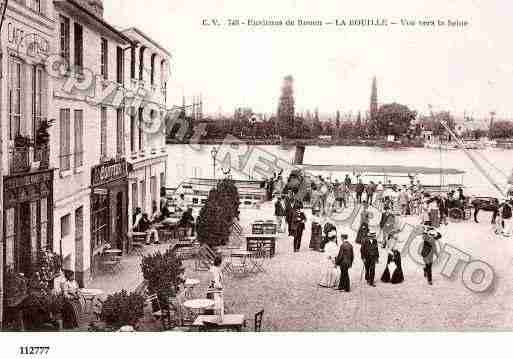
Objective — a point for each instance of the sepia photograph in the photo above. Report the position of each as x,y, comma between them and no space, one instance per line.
273,166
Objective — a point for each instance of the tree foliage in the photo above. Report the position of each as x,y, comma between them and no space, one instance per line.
217,215
394,119
164,273
502,129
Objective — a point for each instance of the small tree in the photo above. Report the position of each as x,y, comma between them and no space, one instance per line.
164,272
217,215
122,309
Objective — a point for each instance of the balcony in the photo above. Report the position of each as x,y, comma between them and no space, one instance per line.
20,158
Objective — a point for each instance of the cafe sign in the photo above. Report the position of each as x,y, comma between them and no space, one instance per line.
108,172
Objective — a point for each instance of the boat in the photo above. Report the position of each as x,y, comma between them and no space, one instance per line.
196,190
443,146
432,179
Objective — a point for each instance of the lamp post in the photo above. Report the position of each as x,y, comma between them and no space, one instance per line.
214,153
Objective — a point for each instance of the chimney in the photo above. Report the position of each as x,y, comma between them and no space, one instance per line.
94,6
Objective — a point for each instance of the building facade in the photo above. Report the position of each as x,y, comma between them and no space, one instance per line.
27,174
146,152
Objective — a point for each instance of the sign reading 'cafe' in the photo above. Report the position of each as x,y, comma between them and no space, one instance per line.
108,172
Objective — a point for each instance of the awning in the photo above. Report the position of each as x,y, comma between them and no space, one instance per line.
92,20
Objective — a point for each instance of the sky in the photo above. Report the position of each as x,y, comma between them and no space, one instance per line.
460,69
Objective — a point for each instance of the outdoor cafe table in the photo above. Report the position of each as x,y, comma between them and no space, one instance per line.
198,304
230,321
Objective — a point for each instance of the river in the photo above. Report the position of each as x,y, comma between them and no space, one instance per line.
186,161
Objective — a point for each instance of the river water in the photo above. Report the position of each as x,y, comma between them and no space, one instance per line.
186,161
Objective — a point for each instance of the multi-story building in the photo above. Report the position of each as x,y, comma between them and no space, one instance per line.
27,194
88,137
149,73
27,175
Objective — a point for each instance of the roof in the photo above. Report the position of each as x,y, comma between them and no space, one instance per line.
149,39
73,7
382,169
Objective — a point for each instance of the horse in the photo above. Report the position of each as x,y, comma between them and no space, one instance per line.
488,204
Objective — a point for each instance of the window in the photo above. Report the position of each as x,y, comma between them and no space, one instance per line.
15,96
37,98
65,225
65,38
99,219
45,244
143,196
79,47
153,191
104,65
163,79
152,69
120,131
36,5
79,223
120,61
65,148
134,197
132,62
140,124
79,138
10,235
133,129
141,63
103,132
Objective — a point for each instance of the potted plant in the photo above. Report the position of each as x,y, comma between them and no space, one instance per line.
15,285
21,141
122,309
42,134
164,273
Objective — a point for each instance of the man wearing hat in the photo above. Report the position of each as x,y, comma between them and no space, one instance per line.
370,256
298,225
429,251
345,261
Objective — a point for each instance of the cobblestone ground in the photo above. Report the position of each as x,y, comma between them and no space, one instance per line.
292,300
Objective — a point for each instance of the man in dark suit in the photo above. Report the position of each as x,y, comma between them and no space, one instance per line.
345,261
298,224
370,256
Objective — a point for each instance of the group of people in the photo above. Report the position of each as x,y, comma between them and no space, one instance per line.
143,223
328,196
339,259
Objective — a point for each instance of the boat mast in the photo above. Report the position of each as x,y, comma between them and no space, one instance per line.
474,161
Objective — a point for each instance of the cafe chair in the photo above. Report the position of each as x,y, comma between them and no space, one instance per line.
258,321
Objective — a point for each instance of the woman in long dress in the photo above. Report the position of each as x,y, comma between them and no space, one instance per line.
216,285
330,275
74,302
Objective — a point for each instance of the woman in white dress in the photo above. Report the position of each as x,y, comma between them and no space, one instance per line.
216,286
330,275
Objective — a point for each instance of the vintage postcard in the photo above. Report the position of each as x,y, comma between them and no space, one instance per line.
242,166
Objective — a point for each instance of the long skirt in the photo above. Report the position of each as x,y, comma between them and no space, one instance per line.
71,313
330,275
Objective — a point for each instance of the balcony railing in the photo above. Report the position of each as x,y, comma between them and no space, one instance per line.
19,160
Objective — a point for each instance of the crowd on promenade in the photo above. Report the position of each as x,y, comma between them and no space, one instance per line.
391,202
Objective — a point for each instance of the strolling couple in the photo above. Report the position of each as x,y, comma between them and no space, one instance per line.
337,265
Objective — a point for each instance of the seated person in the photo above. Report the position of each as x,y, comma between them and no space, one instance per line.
145,225
187,220
164,210
180,204
136,218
